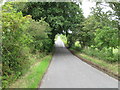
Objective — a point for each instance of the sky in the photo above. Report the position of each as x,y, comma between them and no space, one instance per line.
86,5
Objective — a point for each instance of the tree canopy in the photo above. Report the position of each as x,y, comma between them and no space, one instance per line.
62,17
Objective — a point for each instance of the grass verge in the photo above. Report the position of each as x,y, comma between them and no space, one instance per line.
34,75
109,68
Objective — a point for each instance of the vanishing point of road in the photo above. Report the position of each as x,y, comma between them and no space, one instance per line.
68,71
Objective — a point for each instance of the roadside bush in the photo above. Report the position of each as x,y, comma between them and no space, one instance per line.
15,50
41,41
104,54
47,45
21,37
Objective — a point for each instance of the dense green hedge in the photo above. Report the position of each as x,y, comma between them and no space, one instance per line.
21,38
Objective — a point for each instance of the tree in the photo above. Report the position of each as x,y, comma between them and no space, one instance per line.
116,7
107,37
61,17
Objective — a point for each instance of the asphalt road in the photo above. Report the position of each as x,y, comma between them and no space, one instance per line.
68,71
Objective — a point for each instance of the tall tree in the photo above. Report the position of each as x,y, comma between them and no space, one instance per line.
62,17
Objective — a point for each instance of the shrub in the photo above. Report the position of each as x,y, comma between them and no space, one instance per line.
15,40
21,36
104,54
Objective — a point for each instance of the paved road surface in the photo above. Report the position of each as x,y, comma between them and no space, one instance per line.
68,71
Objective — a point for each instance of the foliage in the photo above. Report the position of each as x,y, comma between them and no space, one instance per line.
41,41
21,37
106,37
15,42
104,54
61,17
98,31
116,7
30,28
64,39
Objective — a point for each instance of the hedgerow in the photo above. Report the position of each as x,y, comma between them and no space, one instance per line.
21,38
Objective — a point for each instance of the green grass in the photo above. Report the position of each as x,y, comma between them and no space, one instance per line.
34,75
113,67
